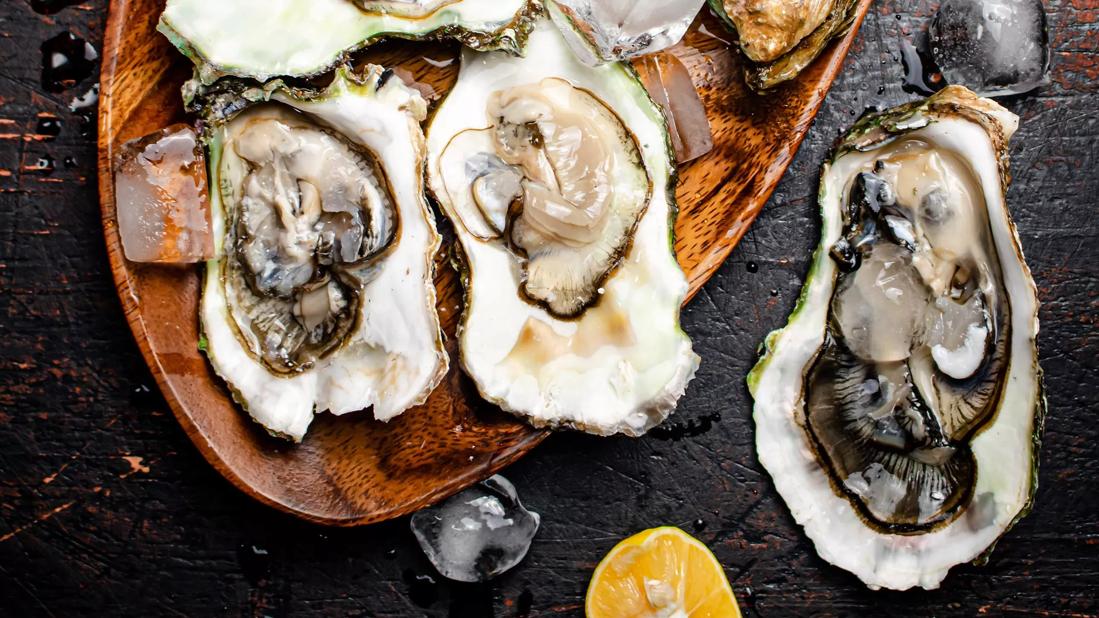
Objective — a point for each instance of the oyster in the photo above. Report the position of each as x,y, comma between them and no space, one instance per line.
900,409
323,297
779,38
559,180
234,37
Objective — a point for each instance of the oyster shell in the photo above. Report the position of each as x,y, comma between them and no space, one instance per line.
899,411
234,37
323,299
779,38
560,183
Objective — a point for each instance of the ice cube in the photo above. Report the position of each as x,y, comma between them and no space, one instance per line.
161,201
478,533
993,47
669,84
601,31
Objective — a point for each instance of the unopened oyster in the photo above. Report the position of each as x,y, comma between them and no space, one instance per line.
262,39
323,299
779,38
559,180
899,411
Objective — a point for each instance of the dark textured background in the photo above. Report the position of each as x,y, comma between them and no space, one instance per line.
106,508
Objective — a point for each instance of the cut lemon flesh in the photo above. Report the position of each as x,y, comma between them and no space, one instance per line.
660,573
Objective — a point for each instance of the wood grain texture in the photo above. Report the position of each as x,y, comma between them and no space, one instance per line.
351,470
107,509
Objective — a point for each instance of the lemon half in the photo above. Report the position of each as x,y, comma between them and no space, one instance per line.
660,573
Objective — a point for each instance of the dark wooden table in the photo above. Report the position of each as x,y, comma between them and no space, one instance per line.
107,509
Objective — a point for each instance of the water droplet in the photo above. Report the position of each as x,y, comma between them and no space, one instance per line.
71,162
752,267
146,399
86,100
49,126
921,76
255,562
699,525
45,164
774,292
66,61
88,127
423,590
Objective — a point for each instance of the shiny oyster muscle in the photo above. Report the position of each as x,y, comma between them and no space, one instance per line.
899,410
262,39
323,299
779,38
558,179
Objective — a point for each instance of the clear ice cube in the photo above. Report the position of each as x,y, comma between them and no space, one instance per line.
601,31
161,200
477,534
669,84
993,47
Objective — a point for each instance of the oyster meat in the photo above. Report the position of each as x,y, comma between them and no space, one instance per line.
899,411
234,37
323,297
779,38
559,180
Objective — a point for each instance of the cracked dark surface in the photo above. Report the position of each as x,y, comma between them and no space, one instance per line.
106,507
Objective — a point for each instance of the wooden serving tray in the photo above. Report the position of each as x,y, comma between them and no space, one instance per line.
352,470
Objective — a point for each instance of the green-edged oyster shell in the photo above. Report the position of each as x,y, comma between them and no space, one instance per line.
899,412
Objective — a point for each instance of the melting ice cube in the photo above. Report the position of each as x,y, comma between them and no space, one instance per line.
993,47
604,30
669,84
478,533
161,200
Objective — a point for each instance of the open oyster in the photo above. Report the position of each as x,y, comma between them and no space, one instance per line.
781,37
899,410
559,180
323,299
262,39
